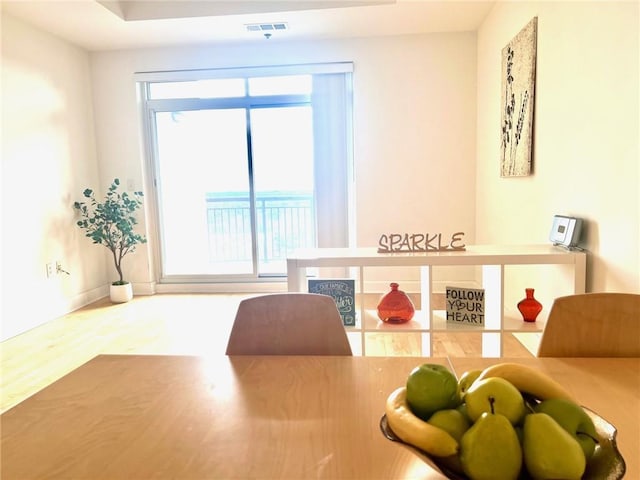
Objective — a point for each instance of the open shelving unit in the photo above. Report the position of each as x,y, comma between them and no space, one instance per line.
429,321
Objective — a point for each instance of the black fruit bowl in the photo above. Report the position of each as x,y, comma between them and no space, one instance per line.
606,464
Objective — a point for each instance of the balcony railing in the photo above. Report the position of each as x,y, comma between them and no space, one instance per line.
284,221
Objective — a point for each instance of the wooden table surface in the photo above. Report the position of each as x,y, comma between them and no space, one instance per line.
178,417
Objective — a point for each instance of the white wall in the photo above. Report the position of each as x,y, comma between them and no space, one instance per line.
586,151
48,158
414,123
417,120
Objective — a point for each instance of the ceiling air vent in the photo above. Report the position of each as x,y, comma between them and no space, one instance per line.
267,27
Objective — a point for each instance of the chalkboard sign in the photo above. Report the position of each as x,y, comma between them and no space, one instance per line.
465,306
342,291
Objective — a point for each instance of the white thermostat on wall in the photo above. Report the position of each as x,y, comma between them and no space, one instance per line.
565,231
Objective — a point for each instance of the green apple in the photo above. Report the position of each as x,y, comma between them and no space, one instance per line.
431,387
466,379
550,452
452,421
574,420
494,395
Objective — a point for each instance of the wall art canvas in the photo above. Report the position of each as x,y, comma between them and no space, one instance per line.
518,84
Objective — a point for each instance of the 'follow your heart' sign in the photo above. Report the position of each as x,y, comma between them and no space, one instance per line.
465,305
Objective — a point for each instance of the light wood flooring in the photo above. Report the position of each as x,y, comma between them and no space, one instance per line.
181,324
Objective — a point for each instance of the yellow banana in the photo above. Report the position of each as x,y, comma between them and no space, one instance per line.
415,431
528,380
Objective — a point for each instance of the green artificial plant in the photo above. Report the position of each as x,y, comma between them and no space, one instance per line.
111,223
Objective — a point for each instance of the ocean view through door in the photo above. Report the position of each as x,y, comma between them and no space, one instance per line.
235,187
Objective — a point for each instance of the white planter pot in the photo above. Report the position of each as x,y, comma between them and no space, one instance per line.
121,293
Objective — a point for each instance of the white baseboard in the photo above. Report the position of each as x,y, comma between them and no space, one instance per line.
264,287
144,288
85,298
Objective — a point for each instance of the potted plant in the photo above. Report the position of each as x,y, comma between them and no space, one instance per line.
111,223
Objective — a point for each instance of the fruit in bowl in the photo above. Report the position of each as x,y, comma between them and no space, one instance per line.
494,395
549,450
431,387
491,449
466,380
451,420
574,420
511,421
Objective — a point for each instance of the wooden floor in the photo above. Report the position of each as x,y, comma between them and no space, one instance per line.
182,324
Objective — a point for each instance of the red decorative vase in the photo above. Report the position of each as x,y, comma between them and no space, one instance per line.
529,307
395,306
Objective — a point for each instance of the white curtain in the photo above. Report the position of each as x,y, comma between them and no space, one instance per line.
331,102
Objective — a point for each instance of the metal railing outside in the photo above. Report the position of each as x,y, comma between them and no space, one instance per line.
285,221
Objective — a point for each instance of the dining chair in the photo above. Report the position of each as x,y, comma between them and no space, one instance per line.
288,324
593,325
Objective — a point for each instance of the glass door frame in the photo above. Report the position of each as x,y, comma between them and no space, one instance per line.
189,104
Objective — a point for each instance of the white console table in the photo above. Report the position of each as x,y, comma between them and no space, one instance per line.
492,259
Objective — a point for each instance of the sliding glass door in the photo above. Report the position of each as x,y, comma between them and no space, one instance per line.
282,154
237,170
203,187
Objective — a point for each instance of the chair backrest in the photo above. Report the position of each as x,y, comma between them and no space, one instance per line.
593,325
288,324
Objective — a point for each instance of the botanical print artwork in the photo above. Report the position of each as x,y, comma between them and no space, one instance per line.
518,81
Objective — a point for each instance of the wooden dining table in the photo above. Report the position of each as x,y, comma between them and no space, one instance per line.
257,417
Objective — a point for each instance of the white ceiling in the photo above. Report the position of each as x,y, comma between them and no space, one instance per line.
113,25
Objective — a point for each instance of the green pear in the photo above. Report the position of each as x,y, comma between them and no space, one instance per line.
462,408
550,452
497,395
490,449
452,421
466,379
574,420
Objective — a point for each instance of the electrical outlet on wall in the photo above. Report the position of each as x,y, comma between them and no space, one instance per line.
50,270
